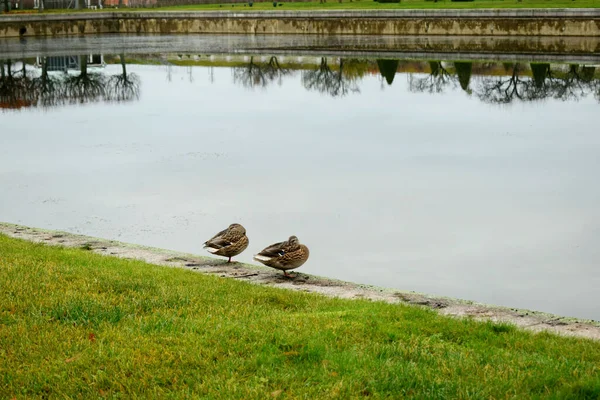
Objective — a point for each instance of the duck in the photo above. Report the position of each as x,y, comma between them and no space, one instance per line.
284,256
229,242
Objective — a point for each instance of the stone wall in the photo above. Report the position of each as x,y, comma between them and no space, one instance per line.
546,22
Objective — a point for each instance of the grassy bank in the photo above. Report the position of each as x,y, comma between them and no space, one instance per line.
368,5
406,4
73,322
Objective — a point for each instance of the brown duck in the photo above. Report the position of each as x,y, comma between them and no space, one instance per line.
229,242
284,256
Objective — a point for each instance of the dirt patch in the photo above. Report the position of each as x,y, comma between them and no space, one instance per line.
526,319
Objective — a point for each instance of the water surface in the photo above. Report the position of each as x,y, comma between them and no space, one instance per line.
471,179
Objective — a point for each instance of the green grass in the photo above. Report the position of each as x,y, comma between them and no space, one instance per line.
404,4
369,5
76,324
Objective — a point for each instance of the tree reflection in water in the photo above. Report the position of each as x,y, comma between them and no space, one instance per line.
515,82
436,82
258,74
85,86
503,90
45,86
574,84
14,86
124,86
72,80
334,82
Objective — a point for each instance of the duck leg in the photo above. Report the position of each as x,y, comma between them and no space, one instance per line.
228,261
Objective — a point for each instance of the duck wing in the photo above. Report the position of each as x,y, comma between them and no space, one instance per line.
218,241
274,250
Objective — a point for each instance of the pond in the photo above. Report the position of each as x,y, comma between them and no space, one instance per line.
474,178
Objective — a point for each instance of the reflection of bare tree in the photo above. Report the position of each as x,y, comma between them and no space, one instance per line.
539,86
256,74
274,71
169,72
250,75
86,86
574,84
318,78
124,86
54,86
333,82
7,84
435,82
47,89
14,85
503,90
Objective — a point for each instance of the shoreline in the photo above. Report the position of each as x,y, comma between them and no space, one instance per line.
468,22
525,319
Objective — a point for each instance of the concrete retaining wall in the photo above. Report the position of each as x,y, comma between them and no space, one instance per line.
581,50
546,22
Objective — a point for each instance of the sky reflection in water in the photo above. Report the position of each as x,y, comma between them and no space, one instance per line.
472,180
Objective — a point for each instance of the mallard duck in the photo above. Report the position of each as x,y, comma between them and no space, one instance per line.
229,242
284,256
